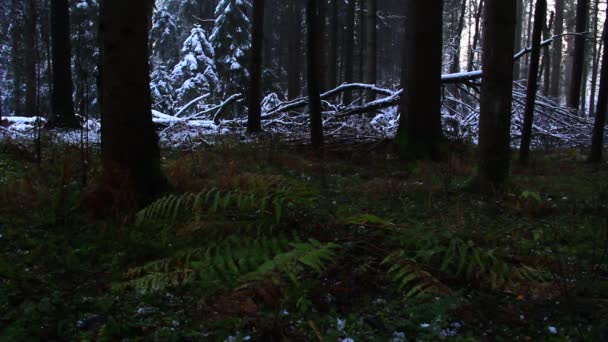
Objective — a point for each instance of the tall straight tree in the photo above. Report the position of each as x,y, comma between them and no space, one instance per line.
349,49
594,56
314,96
254,122
496,94
294,71
526,136
371,59
556,59
597,143
519,30
129,143
62,104
419,133
30,32
455,66
578,64
332,53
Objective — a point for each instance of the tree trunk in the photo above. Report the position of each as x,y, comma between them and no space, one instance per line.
349,49
595,56
455,65
419,133
496,94
62,104
556,60
332,49
476,36
362,45
254,122
539,24
371,71
545,69
578,65
16,32
519,30
270,25
597,143
129,143
293,70
30,58
323,45
314,102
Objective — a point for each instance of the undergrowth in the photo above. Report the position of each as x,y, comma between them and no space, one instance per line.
270,243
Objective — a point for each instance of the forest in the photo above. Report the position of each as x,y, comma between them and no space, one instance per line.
303,170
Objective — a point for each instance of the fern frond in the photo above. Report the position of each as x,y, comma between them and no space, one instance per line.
411,277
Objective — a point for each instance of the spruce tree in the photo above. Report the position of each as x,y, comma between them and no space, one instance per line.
164,35
231,39
195,74
163,92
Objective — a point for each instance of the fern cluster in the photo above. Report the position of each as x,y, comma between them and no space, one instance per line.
238,258
426,255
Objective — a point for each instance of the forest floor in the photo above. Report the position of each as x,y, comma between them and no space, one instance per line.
270,242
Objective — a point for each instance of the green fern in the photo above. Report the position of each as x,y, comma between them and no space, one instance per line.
232,261
271,205
427,254
410,276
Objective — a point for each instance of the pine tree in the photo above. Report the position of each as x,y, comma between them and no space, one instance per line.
526,136
85,49
163,92
164,35
231,39
196,73
597,142
420,133
129,147
62,103
496,94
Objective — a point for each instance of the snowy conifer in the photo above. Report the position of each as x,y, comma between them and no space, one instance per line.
231,39
164,38
195,74
163,92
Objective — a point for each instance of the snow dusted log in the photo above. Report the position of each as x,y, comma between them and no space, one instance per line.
374,106
221,108
190,104
303,102
461,77
464,77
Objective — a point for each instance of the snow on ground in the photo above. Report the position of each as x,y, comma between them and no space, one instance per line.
554,125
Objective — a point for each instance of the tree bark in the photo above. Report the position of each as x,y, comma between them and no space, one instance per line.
539,24
349,49
595,56
293,70
496,94
129,143
371,71
419,132
556,59
597,142
254,122
473,48
16,32
332,53
545,69
31,52
314,94
578,64
62,103
323,45
519,30
455,65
